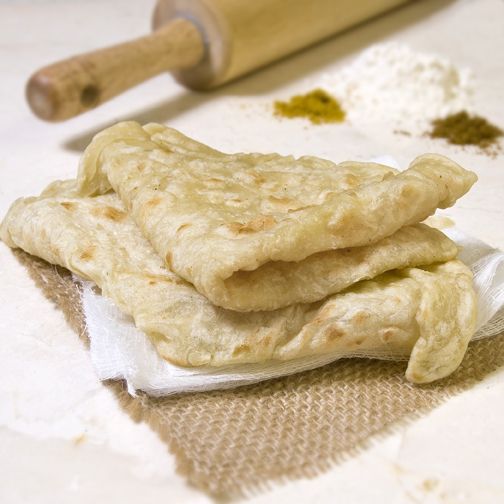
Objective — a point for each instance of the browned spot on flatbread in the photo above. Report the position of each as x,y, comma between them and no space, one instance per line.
88,253
260,223
160,279
281,200
266,341
153,202
387,335
168,259
175,280
351,180
334,333
183,226
109,213
240,349
68,205
359,341
286,204
360,317
300,208
235,227
258,178
407,192
215,181
114,214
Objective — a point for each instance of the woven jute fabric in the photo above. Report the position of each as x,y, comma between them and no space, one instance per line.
228,443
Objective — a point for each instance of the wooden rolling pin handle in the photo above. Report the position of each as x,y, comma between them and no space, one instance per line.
70,87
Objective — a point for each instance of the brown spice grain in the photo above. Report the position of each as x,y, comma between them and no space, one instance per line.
464,129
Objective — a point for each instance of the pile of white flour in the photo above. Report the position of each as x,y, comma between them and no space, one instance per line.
391,83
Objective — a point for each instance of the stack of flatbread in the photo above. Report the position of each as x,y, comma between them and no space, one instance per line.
244,258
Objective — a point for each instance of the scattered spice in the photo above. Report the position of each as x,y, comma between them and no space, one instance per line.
317,106
464,129
402,132
78,440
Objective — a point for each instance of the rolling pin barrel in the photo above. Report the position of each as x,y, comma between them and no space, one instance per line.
242,36
205,43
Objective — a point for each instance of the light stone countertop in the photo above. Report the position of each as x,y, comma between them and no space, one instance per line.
62,436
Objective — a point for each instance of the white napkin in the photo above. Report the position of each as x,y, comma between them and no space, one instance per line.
120,351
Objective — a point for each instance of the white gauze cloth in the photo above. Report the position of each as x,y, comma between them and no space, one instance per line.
120,351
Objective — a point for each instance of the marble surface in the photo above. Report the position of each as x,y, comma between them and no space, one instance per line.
62,436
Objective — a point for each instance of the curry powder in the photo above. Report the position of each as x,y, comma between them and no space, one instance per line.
464,129
317,106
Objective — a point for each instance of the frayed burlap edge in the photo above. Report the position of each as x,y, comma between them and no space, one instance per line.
234,442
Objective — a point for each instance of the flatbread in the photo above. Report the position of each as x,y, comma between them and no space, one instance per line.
95,238
232,225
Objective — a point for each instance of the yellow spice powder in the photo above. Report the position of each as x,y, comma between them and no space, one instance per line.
317,106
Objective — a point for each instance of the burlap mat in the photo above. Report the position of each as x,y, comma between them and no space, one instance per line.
229,443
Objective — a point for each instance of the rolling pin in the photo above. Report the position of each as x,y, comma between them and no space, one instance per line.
204,43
